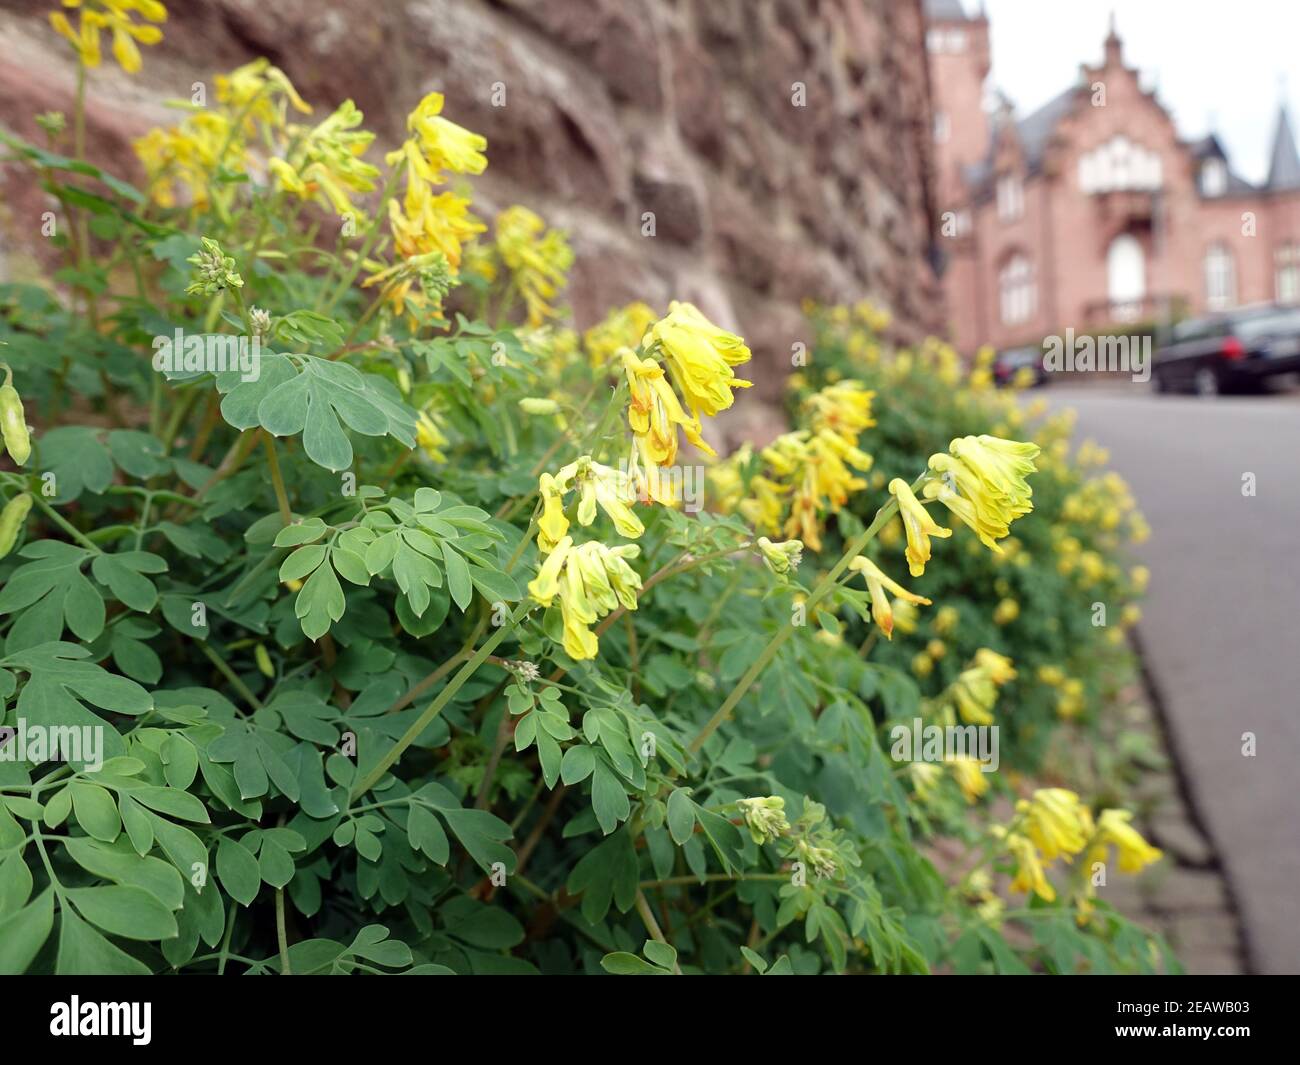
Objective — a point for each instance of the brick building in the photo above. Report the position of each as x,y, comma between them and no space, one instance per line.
1092,212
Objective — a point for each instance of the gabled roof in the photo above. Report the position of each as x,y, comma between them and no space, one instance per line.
1035,130
1284,164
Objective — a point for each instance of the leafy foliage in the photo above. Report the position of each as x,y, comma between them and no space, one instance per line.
321,724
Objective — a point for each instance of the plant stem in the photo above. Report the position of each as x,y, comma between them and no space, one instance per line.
281,497
280,935
651,925
823,589
436,707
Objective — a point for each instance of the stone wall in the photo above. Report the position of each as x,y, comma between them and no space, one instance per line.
683,108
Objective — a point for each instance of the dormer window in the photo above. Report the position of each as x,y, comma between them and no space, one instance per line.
1011,197
1214,177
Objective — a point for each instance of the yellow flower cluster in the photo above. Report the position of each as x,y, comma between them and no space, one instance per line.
96,16
973,695
1070,700
694,377
324,162
538,259
428,225
622,328
596,485
981,480
591,580
1054,823
321,163
808,472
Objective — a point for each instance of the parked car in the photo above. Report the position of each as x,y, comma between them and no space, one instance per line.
1007,363
1228,352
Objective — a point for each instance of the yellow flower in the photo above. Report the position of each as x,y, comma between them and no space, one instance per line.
1006,612
922,664
843,408
1056,821
1029,869
537,258
1141,577
442,144
552,525
326,164
700,357
945,620
114,16
969,776
906,616
654,412
253,93
621,328
998,667
919,525
780,558
982,481
765,504
430,437
591,580
925,775
1134,852
877,582
603,486
1053,676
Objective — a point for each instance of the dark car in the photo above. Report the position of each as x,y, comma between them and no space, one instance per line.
1229,352
1006,364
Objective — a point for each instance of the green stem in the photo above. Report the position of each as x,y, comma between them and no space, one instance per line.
823,589
436,707
280,935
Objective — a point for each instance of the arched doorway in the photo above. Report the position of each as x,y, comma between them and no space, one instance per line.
1126,277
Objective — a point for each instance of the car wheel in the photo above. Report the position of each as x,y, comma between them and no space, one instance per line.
1206,382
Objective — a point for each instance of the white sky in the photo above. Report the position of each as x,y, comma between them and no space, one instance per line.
1217,65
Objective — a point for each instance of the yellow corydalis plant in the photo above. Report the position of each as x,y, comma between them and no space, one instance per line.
96,16
591,580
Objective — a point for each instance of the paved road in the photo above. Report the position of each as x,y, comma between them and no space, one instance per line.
1221,624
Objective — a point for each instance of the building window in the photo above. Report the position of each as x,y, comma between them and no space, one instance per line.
1286,260
1119,165
1016,290
952,41
1214,177
1011,197
1220,278
942,127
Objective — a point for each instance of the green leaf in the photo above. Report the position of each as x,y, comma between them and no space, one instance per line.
124,910
79,462
681,816
578,764
22,934
238,870
84,952
95,811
